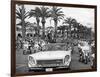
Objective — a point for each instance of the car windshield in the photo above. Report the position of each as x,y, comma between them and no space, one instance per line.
57,46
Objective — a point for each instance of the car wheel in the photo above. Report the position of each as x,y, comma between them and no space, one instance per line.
29,70
86,60
80,59
69,67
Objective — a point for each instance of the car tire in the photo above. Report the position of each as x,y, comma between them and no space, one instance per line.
69,67
80,59
86,60
29,70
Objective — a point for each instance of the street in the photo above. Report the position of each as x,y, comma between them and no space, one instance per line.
21,65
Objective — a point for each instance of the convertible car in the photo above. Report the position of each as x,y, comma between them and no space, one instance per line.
49,60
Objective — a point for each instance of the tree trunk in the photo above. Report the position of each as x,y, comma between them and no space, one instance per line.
43,28
38,30
23,31
70,30
55,21
23,24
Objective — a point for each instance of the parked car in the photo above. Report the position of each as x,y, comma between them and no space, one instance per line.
49,60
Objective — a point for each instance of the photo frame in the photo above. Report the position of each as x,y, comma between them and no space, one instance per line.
41,44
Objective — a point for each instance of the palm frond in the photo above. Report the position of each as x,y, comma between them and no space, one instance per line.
56,12
34,13
20,23
60,12
44,12
21,13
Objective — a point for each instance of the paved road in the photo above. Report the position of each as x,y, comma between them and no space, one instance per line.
75,64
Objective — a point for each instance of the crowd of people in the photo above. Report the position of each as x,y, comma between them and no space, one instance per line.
31,41
30,44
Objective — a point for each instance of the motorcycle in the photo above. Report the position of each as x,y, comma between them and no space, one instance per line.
86,57
80,55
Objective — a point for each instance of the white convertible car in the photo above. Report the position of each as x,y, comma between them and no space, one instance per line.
49,60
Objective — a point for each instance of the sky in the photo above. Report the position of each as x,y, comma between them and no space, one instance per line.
84,16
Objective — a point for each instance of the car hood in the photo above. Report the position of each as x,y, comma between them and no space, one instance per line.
50,55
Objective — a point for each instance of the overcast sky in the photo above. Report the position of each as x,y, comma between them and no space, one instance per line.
84,16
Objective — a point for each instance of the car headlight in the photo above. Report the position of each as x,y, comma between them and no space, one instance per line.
31,59
66,59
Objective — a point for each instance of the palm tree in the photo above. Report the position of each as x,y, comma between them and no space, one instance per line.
71,22
75,27
56,15
44,14
22,15
62,29
49,29
36,13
